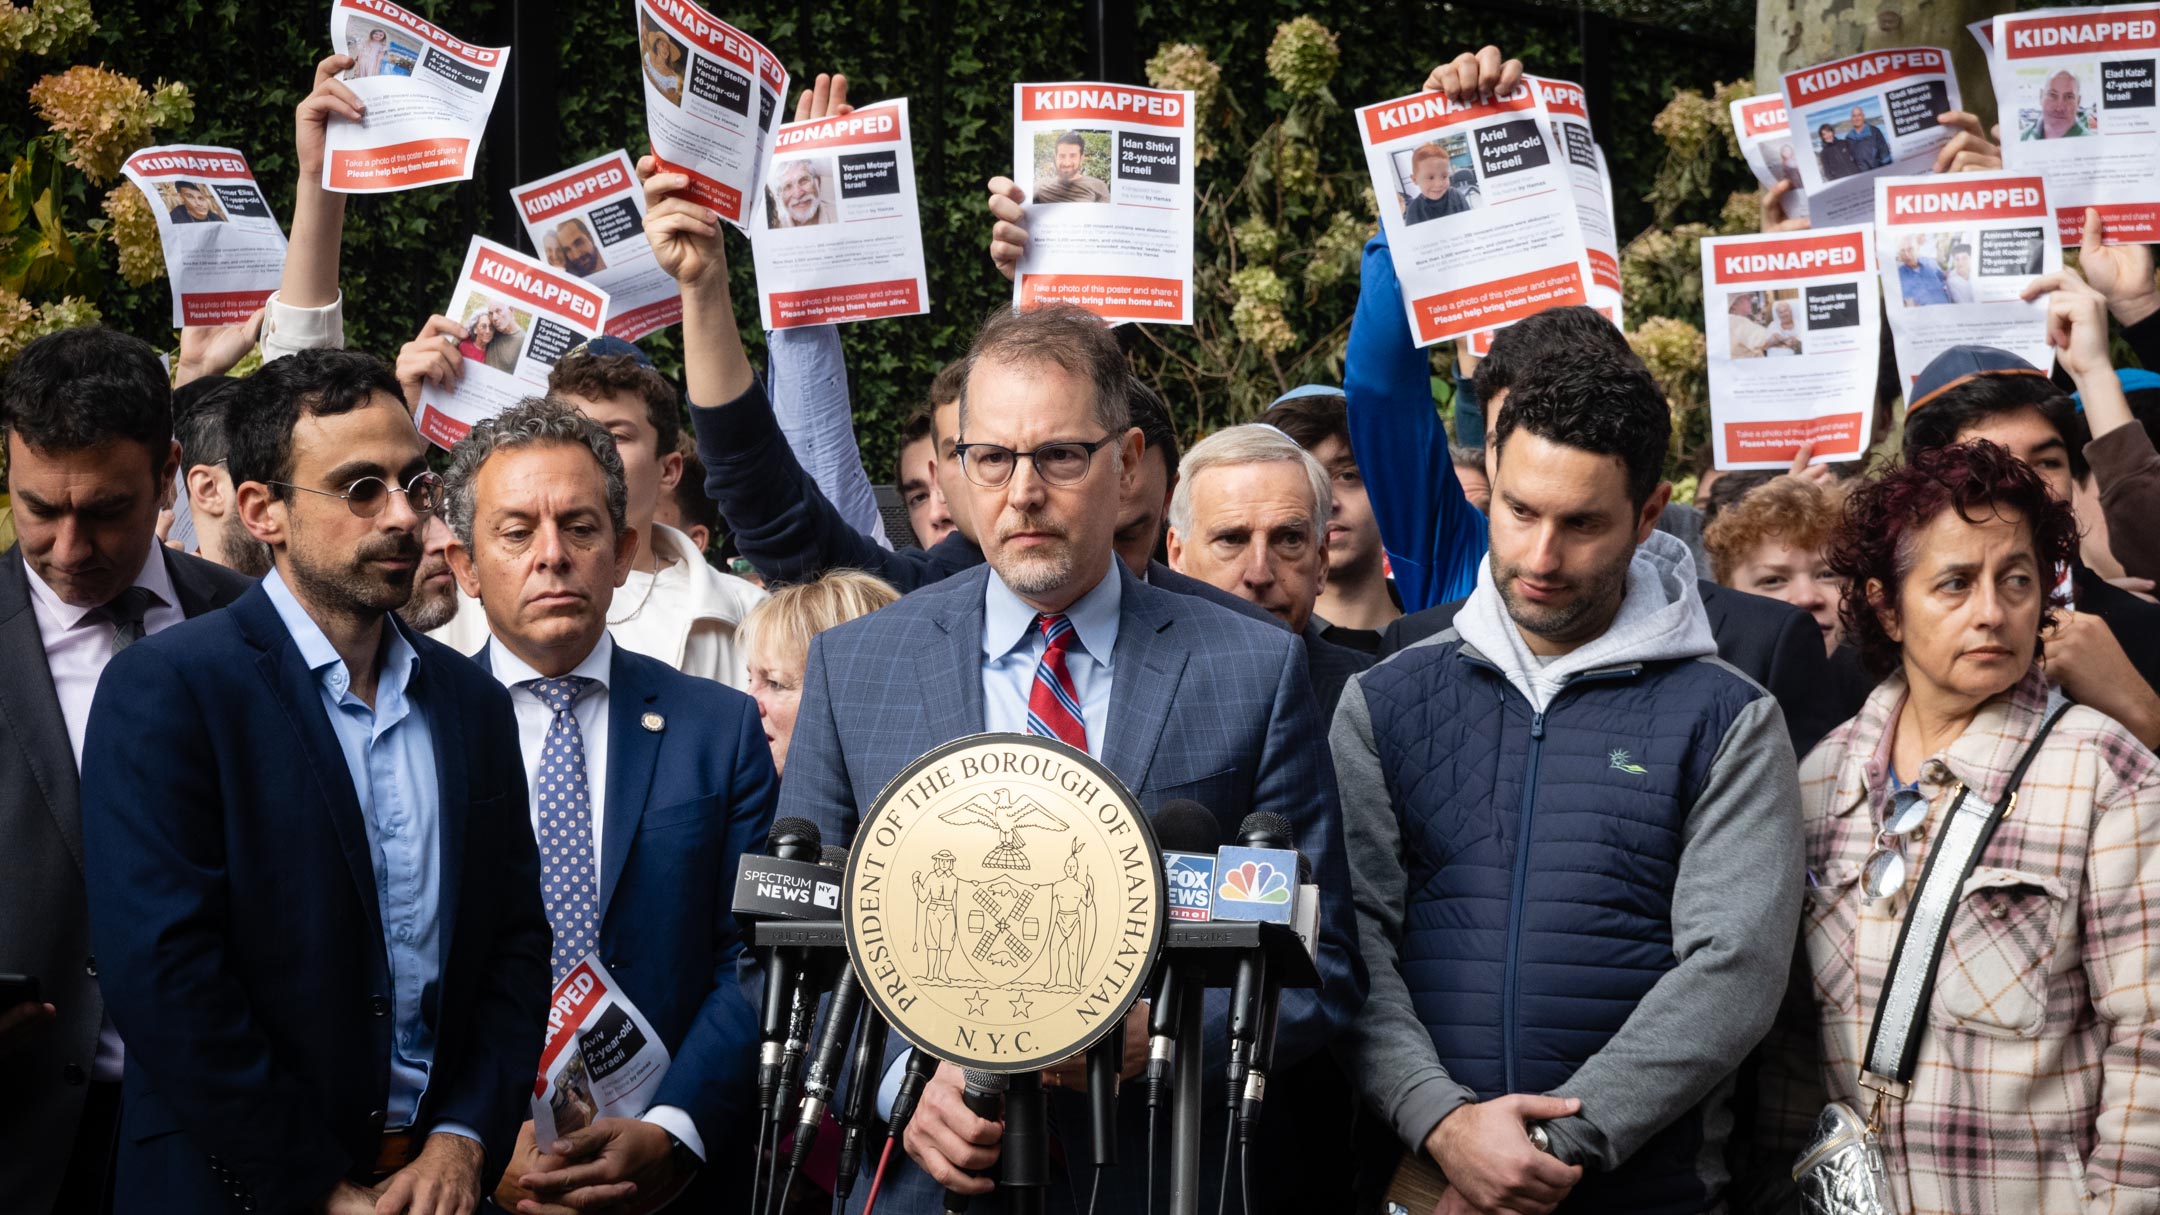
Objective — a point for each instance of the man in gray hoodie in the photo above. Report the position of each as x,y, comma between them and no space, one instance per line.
1575,838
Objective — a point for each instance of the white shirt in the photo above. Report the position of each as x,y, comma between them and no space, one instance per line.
685,615
77,647
76,651
534,718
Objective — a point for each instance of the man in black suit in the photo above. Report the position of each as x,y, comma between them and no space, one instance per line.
312,881
87,416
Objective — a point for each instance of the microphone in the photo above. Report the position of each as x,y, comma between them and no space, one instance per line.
860,1109
1257,994
921,1065
985,1096
1182,825
796,840
810,986
822,1080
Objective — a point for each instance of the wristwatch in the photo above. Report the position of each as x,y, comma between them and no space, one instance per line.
1539,1139
685,1161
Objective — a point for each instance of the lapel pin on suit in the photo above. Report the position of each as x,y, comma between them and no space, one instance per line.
653,722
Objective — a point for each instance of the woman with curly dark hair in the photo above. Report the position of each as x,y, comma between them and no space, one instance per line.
2037,1050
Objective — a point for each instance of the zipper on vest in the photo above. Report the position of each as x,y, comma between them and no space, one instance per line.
1515,901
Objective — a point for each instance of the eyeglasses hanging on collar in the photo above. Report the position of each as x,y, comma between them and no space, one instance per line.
1886,868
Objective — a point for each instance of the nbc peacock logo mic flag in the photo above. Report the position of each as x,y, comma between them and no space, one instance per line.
1255,884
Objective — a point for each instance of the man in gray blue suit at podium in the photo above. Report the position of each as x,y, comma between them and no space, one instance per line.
1053,635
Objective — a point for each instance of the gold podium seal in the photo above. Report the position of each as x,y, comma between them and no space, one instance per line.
1004,902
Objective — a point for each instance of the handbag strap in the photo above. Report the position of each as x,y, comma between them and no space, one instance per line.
1893,1046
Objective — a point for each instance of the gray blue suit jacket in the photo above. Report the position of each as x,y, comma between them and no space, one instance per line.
1204,704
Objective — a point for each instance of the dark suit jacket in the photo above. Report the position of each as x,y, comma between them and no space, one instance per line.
233,903
1204,704
1332,666
684,802
779,517
1774,643
42,899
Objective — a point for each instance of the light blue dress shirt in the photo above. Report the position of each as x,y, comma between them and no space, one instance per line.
391,757
806,377
1013,647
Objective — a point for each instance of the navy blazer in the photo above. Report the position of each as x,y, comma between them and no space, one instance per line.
687,795
1204,704
233,905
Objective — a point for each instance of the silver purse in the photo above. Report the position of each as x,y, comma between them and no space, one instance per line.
1842,1172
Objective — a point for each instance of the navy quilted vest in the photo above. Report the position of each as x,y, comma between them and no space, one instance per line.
1542,851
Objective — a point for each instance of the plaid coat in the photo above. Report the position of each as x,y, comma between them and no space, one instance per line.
2038,1082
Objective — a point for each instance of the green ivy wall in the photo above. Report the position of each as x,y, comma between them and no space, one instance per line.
249,63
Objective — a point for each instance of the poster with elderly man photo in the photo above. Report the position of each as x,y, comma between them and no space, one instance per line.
836,235
2075,87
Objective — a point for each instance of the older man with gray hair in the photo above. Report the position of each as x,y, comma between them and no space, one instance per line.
646,787
1250,517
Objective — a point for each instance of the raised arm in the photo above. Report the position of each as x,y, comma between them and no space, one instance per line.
806,377
307,312
1433,536
781,520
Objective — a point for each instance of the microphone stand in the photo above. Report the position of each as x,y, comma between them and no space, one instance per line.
1187,1115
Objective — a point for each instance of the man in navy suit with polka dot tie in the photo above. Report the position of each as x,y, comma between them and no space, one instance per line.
646,787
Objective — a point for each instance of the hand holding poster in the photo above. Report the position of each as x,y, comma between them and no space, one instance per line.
590,222
1867,115
1480,216
601,1058
1793,324
2076,89
427,95
712,103
223,248
1955,252
1108,172
837,236
520,317
1768,146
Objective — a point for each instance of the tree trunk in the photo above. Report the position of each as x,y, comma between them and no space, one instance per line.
1791,34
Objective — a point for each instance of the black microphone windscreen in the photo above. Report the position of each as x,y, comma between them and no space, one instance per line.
985,1082
800,832
1265,829
1184,825
833,856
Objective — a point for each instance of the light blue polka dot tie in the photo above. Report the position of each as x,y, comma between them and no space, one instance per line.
569,881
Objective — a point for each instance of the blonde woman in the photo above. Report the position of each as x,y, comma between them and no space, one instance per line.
776,635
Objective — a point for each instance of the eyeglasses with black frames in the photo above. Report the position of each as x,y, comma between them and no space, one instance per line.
991,466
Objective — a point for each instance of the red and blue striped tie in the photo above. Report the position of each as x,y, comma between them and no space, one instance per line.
1053,705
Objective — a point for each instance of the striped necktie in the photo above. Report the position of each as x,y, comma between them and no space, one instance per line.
1053,704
